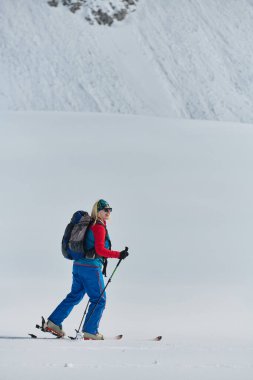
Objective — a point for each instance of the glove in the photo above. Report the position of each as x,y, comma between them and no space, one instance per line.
124,254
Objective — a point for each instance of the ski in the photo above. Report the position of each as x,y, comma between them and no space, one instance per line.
116,337
157,338
33,336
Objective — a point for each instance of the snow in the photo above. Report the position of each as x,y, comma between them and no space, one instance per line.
178,59
126,359
181,193
181,190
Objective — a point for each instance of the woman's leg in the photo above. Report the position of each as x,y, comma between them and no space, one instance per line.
94,285
73,298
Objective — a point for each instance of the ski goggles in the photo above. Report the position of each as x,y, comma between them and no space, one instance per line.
107,209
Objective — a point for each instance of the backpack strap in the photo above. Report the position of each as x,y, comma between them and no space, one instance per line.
105,267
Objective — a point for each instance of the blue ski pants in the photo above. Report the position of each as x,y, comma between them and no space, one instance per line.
87,279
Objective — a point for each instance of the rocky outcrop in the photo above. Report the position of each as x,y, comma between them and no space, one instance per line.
102,12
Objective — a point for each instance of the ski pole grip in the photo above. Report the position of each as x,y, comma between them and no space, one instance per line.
126,249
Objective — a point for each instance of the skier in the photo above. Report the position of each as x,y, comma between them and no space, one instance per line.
88,278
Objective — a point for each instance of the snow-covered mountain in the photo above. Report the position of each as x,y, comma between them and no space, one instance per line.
184,59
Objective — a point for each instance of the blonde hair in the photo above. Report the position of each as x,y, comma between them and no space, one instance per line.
94,213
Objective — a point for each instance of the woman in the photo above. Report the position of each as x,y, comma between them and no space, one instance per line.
87,277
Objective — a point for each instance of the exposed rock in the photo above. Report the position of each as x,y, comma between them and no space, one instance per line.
120,15
102,17
103,12
53,3
75,7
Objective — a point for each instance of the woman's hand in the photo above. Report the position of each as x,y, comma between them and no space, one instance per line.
124,254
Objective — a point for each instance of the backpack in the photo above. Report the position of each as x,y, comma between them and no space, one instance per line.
74,237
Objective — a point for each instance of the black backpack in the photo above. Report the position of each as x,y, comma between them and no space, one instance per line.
74,237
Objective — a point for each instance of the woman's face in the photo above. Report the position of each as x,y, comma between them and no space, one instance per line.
104,214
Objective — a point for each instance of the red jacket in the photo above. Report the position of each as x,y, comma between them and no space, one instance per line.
99,232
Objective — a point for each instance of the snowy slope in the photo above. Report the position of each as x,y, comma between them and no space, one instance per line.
181,194
130,359
179,59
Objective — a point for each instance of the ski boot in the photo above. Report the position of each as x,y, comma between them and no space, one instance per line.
54,329
88,336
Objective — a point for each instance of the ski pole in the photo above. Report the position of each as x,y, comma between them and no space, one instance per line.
101,295
85,311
